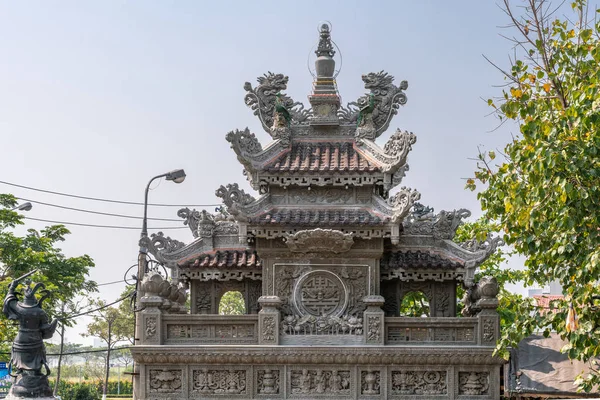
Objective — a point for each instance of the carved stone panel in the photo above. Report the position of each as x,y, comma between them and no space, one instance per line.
370,382
228,382
166,381
428,382
269,381
317,382
326,295
320,293
473,383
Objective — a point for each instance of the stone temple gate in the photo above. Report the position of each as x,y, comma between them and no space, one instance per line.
324,257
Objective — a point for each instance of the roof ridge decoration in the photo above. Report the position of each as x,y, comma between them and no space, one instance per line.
402,202
373,112
270,105
423,221
235,199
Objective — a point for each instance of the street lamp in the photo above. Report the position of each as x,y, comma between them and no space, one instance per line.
176,176
23,207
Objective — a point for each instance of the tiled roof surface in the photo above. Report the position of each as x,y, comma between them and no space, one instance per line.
322,217
416,259
322,157
543,301
226,259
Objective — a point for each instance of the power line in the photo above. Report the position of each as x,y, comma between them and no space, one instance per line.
99,308
110,283
98,212
108,200
102,226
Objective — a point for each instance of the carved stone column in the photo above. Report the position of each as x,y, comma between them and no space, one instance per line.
373,320
489,320
268,320
151,313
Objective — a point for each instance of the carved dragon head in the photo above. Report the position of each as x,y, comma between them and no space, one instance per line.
273,82
377,80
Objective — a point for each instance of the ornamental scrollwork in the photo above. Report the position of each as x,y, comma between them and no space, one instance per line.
263,99
373,112
159,243
447,222
244,142
400,144
489,245
234,198
402,202
190,218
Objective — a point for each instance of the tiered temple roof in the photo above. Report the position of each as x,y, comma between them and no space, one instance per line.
324,169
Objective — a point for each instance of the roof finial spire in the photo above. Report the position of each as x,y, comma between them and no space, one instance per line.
325,47
324,98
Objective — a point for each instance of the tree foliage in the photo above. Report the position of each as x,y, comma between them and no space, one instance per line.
545,192
232,303
65,277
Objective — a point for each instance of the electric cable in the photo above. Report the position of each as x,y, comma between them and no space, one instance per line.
98,212
109,283
107,200
98,308
102,226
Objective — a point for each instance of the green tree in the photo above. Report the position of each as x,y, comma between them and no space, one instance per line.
65,277
113,326
232,303
544,193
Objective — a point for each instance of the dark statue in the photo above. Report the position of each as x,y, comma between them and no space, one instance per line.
28,350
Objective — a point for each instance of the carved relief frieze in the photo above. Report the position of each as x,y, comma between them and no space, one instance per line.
318,381
219,381
311,325
268,329
489,330
321,196
418,382
370,382
320,240
165,380
322,292
220,275
374,324
151,326
473,383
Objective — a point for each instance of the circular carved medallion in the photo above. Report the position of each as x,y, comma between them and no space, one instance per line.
320,293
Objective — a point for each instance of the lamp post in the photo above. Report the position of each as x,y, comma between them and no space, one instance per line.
176,176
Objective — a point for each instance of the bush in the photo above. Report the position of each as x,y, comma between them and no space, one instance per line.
78,391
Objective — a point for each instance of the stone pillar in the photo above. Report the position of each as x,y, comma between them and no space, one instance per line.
373,320
151,313
268,320
489,320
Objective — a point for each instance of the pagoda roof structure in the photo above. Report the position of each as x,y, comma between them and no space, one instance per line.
324,170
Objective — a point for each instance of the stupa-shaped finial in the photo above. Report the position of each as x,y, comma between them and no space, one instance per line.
324,98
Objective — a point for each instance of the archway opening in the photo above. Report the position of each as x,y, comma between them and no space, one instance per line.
232,303
415,304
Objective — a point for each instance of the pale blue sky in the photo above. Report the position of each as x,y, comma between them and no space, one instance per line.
98,97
